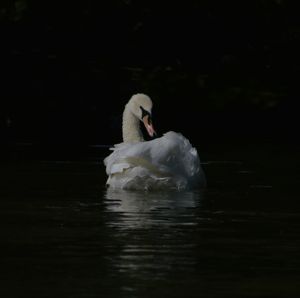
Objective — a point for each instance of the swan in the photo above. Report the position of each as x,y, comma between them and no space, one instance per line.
167,162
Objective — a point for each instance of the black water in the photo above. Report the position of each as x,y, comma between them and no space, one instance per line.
63,234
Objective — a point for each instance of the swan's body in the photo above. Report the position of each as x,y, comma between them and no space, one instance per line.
166,162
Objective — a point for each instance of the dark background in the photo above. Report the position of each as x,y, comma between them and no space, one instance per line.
217,71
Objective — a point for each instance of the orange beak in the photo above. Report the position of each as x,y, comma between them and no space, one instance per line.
148,125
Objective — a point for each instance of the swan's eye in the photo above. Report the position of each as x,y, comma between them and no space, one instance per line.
145,113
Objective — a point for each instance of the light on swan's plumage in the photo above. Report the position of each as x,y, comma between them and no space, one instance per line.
168,162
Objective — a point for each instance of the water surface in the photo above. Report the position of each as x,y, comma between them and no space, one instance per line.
63,234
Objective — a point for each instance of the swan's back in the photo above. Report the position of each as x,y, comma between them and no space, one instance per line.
166,162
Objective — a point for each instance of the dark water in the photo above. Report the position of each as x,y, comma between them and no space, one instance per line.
64,235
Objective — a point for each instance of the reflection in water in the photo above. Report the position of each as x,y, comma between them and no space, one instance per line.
140,209
169,244
150,229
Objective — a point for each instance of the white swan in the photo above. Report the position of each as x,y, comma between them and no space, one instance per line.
168,162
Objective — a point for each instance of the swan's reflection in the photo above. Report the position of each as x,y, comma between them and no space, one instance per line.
136,209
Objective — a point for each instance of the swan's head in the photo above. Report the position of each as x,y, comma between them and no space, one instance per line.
141,106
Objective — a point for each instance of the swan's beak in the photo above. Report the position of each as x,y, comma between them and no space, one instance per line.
148,125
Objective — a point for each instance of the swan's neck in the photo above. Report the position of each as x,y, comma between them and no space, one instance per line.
131,127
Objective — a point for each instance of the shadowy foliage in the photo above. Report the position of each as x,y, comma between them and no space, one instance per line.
69,67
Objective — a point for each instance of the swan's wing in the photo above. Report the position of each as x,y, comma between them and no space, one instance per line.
169,161
132,162
119,167
147,165
125,156
115,162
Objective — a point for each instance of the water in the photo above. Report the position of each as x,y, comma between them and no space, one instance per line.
63,234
